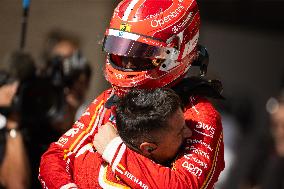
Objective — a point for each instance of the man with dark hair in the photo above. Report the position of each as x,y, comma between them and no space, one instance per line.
151,122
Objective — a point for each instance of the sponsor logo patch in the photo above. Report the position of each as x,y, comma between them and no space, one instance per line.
125,27
160,22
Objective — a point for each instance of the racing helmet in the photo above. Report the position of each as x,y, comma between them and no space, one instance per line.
158,37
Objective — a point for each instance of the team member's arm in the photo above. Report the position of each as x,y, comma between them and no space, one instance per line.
56,164
198,165
15,169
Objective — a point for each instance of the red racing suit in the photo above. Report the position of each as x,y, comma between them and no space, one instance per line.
197,166
91,171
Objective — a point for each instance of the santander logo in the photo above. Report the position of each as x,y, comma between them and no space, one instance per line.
160,22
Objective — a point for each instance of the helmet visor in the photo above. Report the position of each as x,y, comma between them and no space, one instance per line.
130,48
132,64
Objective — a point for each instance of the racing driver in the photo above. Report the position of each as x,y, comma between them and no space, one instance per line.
149,44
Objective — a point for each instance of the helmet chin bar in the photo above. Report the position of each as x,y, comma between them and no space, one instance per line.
202,61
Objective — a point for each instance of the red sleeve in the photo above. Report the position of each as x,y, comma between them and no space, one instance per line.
56,166
197,166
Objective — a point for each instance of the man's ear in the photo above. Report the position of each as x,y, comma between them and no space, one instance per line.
147,148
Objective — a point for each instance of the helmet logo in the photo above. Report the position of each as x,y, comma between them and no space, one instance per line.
125,27
184,22
160,22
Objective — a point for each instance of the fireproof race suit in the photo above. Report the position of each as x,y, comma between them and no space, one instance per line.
198,166
91,171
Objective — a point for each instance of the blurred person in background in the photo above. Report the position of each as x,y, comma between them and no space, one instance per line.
62,53
273,176
14,162
50,100
261,153
149,57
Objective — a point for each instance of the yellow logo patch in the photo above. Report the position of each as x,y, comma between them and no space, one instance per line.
125,27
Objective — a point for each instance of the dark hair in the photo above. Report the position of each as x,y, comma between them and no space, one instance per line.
140,114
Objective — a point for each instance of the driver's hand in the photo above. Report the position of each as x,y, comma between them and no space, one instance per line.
105,134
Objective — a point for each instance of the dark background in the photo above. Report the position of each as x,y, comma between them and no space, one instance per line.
244,38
